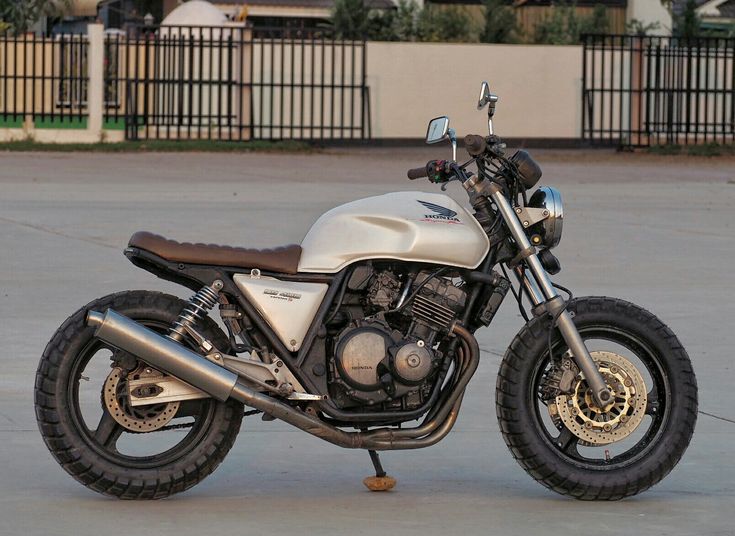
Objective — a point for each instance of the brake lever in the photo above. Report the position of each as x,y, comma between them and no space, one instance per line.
446,184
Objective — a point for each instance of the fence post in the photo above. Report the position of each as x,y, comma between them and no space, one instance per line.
636,93
96,87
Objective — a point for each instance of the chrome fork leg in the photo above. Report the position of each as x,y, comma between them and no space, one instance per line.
543,284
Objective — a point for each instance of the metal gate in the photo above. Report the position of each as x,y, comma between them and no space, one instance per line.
234,83
639,91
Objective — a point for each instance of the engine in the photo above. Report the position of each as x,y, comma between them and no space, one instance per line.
387,357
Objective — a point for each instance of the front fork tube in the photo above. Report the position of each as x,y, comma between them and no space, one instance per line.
540,289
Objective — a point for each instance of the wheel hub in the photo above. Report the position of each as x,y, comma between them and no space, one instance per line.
136,419
596,426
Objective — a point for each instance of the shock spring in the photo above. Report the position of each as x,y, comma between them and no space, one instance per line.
197,308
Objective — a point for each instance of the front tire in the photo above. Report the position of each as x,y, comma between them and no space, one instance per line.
558,459
90,448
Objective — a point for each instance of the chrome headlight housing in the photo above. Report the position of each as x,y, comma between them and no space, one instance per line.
547,233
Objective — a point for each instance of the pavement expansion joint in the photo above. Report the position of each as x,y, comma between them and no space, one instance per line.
717,417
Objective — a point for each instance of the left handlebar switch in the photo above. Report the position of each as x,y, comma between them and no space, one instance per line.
437,171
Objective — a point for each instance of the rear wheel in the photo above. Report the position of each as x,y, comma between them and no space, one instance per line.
143,452
562,439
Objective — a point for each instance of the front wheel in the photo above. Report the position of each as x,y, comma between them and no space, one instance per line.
562,439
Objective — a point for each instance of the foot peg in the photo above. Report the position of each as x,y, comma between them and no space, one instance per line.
381,481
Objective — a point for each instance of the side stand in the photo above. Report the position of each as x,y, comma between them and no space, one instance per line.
381,481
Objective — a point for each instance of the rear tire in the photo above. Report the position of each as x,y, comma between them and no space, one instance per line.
101,467
564,470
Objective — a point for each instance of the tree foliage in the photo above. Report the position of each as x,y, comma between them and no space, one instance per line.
351,19
564,25
19,15
444,24
501,25
398,25
688,24
640,28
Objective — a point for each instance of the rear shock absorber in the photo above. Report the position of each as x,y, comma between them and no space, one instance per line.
197,308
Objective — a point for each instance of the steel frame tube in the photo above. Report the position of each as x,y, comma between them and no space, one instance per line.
566,326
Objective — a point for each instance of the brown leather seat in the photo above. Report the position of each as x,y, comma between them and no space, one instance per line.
283,259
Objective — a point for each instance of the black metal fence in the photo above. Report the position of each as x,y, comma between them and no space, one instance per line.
43,79
190,82
236,83
645,90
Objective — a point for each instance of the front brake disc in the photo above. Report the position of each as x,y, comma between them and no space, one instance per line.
596,426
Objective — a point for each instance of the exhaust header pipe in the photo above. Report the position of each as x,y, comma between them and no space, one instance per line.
177,360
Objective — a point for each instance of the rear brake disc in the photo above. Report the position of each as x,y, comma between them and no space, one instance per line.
136,419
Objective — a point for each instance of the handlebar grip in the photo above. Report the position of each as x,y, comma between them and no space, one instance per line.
475,144
417,173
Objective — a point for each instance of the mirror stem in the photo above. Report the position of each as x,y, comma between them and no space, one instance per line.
453,138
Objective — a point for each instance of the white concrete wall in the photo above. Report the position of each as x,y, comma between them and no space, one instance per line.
539,88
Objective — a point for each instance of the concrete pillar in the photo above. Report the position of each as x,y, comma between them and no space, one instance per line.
96,86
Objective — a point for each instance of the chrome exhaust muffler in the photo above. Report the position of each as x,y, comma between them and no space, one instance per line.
218,382
163,353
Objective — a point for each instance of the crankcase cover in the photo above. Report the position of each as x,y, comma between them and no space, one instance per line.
358,357
412,363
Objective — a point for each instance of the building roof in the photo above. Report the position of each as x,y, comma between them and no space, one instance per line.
727,9
710,9
678,6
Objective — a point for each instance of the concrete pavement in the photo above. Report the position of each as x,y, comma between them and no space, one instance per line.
657,231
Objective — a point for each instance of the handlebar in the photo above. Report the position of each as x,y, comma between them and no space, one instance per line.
441,171
417,173
475,144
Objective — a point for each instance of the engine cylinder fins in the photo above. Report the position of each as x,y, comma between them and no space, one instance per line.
433,313
438,301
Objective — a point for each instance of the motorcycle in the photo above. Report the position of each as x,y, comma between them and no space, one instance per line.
364,328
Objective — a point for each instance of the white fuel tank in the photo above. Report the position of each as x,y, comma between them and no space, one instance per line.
407,226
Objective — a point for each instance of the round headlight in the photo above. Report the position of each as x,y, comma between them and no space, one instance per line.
548,198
